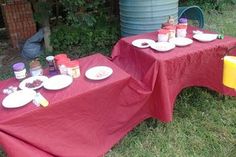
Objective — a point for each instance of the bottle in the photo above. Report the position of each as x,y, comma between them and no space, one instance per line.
51,65
171,30
35,68
19,71
171,20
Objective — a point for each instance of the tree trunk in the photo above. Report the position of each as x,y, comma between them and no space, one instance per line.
47,32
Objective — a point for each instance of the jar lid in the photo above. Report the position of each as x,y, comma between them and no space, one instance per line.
72,64
18,66
170,27
50,58
181,27
183,20
63,61
163,25
60,56
163,31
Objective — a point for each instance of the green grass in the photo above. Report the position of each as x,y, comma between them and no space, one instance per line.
204,123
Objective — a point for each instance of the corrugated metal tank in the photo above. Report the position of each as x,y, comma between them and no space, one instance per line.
139,16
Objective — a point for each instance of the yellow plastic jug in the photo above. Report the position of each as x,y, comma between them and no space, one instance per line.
229,70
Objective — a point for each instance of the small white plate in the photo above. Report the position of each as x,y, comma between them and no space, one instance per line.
143,43
98,72
180,41
34,82
204,37
58,82
18,98
163,46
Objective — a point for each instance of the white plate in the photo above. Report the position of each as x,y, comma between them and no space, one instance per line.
58,82
203,37
18,98
98,72
23,84
180,41
163,46
143,43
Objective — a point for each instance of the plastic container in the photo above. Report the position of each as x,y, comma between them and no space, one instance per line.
61,64
163,35
19,71
181,30
51,65
61,56
35,68
73,69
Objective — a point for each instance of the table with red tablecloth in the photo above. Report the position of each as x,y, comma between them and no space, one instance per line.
83,120
167,73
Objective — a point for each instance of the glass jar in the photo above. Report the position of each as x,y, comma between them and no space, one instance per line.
171,30
73,69
35,68
19,70
163,35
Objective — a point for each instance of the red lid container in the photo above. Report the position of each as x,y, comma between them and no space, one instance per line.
163,31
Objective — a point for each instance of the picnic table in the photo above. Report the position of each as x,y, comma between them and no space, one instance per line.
166,74
83,120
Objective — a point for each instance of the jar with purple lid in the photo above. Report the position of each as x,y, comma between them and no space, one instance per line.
183,21
19,70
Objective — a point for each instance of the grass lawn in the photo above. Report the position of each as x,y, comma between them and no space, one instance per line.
204,125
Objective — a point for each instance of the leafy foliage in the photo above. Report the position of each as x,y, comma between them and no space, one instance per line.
208,4
88,28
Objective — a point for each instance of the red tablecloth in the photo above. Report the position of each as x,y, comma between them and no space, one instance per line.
167,73
83,120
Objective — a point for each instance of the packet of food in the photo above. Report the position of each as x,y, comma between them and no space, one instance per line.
40,100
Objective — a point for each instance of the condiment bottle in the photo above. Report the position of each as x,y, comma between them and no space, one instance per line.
163,35
171,30
19,71
51,65
73,69
35,68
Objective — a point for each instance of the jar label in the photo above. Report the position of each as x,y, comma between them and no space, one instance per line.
20,74
37,72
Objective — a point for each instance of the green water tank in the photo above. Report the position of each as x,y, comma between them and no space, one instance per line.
140,16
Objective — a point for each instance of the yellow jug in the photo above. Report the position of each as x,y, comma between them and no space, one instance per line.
229,70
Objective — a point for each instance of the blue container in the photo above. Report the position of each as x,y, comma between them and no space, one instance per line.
140,16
